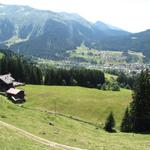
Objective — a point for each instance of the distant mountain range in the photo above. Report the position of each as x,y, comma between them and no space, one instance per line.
45,33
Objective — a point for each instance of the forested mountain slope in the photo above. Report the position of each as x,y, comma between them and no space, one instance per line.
46,33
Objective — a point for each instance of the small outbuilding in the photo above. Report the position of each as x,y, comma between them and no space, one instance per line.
16,84
16,95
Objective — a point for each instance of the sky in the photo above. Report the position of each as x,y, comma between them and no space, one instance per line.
130,15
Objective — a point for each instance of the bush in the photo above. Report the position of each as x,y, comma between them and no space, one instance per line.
104,87
127,86
115,86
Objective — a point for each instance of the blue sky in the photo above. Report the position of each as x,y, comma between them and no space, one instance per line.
131,15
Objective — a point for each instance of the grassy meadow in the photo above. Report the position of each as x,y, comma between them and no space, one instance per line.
88,104
110,77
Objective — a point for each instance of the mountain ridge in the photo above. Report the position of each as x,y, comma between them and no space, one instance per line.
44,33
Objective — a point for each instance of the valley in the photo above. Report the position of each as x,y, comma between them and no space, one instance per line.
82,56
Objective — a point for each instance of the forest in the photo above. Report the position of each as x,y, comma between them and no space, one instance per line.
25,70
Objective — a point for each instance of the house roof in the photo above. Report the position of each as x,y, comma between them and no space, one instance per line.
7,78
13,91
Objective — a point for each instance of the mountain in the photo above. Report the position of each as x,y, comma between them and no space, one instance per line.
110,30
45,33
139,42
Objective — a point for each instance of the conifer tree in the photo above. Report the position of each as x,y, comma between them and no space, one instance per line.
110,123
126,122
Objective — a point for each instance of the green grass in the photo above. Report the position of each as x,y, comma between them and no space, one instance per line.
88,104
65,130
110,77
11,140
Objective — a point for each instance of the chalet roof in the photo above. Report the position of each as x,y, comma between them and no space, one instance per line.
7,78
13,91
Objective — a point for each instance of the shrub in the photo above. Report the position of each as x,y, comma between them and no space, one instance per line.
115,86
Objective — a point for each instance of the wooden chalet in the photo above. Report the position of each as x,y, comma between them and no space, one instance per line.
6,82
15,95
7,86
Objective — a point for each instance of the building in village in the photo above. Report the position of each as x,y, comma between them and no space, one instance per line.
8,84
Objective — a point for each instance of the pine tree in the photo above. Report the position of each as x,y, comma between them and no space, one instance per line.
110,123
126,122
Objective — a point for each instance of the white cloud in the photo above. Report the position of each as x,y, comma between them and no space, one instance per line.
132,15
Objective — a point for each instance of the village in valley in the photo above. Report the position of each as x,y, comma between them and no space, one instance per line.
83,57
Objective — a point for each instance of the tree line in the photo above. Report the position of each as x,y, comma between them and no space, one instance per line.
20,69
80,77
26,71
126,81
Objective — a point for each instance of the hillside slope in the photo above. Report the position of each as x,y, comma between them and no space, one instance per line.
83,103
10,139
61,129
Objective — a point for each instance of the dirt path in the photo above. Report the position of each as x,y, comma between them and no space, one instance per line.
37,138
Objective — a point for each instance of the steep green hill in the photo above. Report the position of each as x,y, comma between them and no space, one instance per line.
64,129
